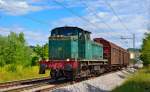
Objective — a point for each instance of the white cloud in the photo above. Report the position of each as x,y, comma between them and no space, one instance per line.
21,7
17,7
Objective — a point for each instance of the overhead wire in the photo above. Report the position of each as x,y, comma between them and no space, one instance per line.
109,27
100,18
74,13
96,15
119,19
115,13
81,17
36,20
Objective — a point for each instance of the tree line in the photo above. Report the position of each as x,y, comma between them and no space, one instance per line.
15,50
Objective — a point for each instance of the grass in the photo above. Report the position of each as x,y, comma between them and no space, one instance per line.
9,73
139,82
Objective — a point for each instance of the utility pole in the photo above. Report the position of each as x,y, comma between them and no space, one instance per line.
133,39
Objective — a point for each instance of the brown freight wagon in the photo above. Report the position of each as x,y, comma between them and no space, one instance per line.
116,55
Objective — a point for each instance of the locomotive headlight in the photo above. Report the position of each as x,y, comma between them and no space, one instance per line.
68,59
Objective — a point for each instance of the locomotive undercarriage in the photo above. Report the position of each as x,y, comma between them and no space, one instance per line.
92,69
85,69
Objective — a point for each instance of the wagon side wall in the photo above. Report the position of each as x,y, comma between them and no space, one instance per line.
117,55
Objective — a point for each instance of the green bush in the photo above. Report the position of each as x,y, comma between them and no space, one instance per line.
139,82
12,68
145,50
34,60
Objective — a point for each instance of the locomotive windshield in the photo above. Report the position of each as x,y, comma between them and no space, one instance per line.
71,31
64,32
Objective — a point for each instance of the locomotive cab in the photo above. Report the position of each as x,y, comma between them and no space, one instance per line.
64,43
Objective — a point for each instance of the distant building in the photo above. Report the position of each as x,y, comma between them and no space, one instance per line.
134,53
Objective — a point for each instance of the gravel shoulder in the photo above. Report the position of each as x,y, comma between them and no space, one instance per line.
104,83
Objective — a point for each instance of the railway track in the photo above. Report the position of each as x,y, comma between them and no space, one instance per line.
32,85
21,84
38,84
58,85
51,86
36,87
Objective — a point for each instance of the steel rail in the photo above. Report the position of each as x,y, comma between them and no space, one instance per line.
22,82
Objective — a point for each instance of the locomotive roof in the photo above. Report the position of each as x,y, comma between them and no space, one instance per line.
70,27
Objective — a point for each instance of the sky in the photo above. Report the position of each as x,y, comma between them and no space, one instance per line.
109,19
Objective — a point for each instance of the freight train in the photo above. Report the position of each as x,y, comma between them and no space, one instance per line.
73,54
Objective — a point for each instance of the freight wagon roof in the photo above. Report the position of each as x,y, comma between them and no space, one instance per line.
70,29
97,43
112,44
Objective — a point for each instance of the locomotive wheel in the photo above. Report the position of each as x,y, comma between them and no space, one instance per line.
71,75
54,74
68,75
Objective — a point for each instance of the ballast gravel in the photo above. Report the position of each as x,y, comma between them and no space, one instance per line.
104,83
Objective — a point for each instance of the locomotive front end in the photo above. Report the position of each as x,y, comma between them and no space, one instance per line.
63,53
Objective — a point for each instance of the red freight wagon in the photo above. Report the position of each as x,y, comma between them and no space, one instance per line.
115,54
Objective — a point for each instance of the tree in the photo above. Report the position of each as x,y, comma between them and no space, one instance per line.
45,51
145,51
14,50
3,42
21,38
40,52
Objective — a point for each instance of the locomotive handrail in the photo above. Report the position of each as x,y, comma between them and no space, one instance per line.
104,60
